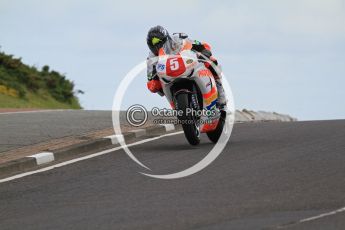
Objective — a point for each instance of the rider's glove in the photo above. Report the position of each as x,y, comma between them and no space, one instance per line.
154,86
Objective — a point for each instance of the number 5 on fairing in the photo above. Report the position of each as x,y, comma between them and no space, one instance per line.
174,64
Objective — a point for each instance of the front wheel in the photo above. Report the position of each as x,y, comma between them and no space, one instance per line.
189,123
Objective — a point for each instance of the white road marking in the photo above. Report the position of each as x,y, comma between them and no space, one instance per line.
311,218
83,158
44,157
115,139
37,111
322,215
169,127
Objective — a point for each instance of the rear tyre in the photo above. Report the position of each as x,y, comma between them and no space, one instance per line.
215,134
189,123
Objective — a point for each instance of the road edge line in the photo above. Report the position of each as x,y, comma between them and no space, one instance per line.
82,149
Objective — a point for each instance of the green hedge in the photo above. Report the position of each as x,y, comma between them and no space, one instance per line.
15,74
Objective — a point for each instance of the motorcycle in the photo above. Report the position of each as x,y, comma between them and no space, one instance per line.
191,89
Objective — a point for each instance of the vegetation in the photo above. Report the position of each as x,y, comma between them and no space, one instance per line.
23,86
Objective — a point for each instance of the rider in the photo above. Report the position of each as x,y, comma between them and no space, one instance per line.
157,38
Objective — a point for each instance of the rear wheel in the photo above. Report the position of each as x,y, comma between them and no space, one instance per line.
189,123
215,134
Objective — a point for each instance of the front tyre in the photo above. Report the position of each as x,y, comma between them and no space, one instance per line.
189,123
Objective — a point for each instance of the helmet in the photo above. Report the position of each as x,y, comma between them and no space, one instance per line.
156,37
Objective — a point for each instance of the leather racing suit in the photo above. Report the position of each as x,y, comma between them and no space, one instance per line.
173,47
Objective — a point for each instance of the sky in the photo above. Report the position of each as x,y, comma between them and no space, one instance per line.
286,56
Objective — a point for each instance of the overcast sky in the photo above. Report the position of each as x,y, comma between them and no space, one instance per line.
285,56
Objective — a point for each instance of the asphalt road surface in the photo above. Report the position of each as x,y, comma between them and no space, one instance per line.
270,176
28,128
22,129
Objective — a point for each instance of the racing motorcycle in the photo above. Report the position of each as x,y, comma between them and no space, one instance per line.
191,90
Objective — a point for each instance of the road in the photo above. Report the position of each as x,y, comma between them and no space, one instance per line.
270,176
29,128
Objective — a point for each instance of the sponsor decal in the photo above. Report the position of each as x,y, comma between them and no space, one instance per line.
160,67
204,73
189,61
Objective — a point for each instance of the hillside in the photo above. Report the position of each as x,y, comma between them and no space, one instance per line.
23,86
